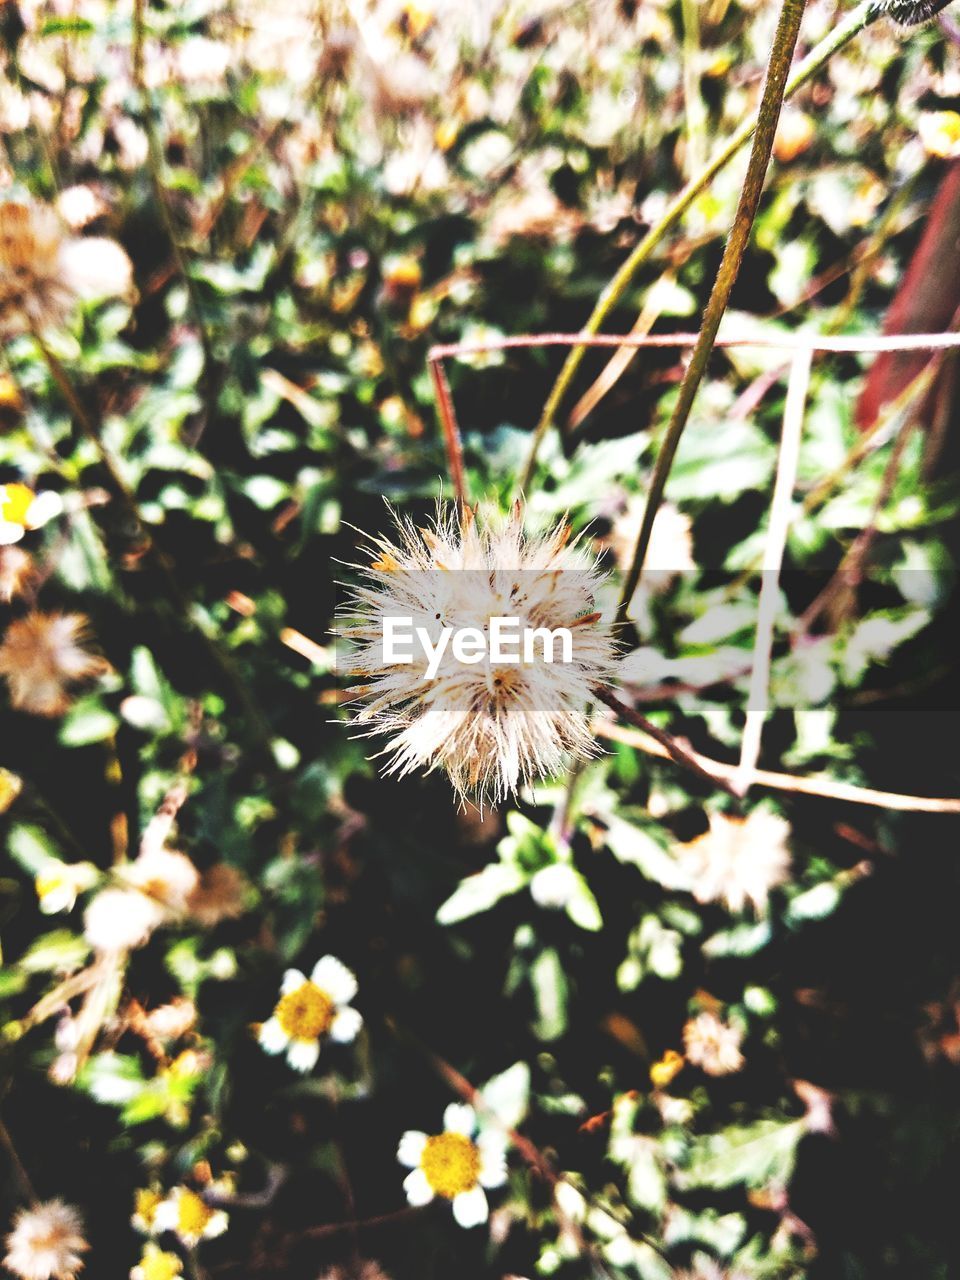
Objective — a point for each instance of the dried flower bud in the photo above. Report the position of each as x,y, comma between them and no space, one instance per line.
909,13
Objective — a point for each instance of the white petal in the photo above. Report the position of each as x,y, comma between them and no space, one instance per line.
9,533
96,267
217,1225
293,979
303,1054
165,1216
345,1026
273,1038
332,976
470,1207
418,1189
460,1118
493,1159
411,1148
45,506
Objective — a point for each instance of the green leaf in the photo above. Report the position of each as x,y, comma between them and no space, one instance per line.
507,1095
31,847
88,721
756,1155
480,892
550,991
57,952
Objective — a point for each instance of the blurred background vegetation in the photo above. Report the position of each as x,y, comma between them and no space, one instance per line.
310,195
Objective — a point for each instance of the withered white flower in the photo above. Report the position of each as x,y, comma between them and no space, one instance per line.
738,860
166,876
669,554
488,725
42,655
46,1243
712,1044
120,919
44,271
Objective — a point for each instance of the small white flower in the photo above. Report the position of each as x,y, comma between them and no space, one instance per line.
738,860
46,1243
310,1009
189,1216
713,1045
22,509
157,1265
454,1164
58,884
120,920
146,1202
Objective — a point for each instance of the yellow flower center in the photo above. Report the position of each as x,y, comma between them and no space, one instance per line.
670,1065
49,883
451,1163
146,1203
15,501
305,1014
193,1216
157,1265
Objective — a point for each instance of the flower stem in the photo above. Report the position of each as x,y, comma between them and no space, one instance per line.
18,1167
613,293
774,87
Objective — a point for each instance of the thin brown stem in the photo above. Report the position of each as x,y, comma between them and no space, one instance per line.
823,787
17,1164
675,750
845,31
451,431
778,67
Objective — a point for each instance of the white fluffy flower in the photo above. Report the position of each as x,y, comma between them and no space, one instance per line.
170,878
669,554
46,1242
713,1045
310,1009
120,920
738,860
488,724
455,1165
44,271
42,655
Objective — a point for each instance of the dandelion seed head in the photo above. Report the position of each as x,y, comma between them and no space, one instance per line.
46,1243
42,655
44,271
738,860
712,1044
488,726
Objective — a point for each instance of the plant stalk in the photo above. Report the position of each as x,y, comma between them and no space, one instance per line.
613,293
768,116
